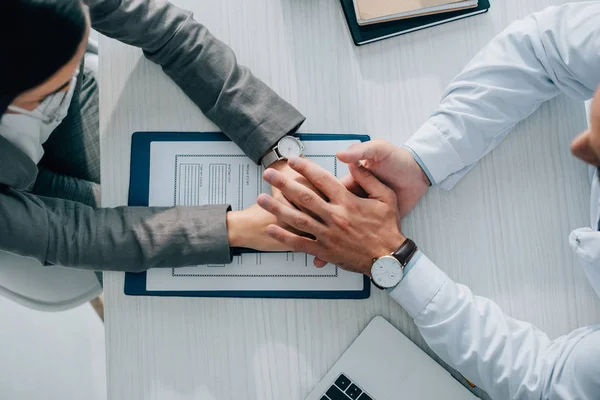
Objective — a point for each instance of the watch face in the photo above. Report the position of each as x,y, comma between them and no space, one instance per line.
290,147
387,272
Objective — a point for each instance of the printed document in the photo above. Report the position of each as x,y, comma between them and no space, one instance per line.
198,173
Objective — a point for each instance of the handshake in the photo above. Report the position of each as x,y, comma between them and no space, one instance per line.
348,222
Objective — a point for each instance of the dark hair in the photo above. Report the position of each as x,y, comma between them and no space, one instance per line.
37,38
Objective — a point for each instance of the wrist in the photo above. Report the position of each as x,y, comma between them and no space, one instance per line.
394,242
278,165
236,228
417,166
389,244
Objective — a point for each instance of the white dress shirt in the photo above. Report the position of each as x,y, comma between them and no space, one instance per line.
533,60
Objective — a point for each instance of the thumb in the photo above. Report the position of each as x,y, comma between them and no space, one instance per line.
358,152
369,182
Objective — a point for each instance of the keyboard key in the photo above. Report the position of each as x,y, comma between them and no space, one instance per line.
324,398
363,396
336,394
342,382
353,391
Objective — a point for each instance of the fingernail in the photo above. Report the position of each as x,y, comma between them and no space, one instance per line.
268,174
293,161
262,200
272,231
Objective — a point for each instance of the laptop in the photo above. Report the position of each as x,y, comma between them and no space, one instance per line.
383,364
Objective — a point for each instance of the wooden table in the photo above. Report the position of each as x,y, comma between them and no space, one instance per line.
503,229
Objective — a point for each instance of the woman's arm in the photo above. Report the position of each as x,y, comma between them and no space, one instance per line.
62,232
246,109
67,233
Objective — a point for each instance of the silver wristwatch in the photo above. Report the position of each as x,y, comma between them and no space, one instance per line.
288,146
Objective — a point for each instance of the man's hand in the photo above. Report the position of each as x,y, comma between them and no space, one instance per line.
248,228
348,231
393,166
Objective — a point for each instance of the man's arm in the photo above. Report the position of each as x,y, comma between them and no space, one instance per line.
508,358
246,109
556,50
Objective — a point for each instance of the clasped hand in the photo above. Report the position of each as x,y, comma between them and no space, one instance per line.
347,222
347,230
352,221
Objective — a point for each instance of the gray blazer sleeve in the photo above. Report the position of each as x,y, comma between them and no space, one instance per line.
62,232
246,109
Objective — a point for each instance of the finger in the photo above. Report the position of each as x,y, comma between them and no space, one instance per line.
319,263
352,186
281,197
291,216
297,243
358,152
296,192
371,185
319,177
302,180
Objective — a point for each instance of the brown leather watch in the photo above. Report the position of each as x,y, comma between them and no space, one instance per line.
388,271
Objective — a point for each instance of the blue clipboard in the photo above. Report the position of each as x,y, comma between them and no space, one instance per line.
139,185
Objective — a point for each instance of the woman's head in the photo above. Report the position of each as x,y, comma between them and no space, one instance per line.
41,45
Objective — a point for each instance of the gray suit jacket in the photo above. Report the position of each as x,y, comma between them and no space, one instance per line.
61,232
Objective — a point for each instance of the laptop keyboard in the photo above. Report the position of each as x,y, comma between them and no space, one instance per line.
344,389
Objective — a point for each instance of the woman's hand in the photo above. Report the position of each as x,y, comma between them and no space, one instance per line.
283,167
248,229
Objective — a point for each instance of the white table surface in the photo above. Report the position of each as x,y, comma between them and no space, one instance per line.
503,229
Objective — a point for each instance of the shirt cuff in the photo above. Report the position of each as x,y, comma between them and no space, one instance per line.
434,153
420,286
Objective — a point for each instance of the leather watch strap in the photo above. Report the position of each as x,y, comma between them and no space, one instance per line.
405,252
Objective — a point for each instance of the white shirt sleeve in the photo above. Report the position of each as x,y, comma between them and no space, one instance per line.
555,50
508,358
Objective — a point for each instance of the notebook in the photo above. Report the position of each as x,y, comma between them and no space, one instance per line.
372,33
377,11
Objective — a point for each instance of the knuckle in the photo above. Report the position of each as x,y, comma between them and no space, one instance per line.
388,196
279,181
305,198
278,236
300,222
393,197
330,237
273,206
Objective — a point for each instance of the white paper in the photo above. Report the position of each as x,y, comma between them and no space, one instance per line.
197,173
